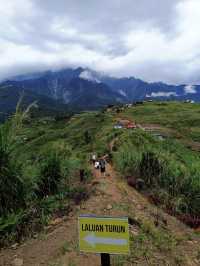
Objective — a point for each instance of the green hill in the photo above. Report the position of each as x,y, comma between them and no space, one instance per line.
10,96
43,156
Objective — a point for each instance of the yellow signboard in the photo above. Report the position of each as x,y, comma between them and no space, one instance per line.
103,235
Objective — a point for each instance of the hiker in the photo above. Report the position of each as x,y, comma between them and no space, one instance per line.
103,166
82,175
94,157
108,157
97,165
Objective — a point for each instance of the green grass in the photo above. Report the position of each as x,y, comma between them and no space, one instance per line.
41,166
50,154
170,170
183,118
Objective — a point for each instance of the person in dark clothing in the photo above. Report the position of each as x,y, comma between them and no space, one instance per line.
103,166
82,175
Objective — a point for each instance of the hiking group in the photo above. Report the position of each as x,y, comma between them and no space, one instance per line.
99,164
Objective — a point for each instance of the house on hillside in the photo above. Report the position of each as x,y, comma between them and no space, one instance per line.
189,101
159,136
139,102
125,124
110,108
131,125
129,105
118,125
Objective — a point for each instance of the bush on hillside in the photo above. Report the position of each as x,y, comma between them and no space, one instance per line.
12,194
167,167
87,137
50,175
150,167
12,191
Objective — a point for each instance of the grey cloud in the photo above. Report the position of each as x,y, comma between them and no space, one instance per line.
115,13
146,38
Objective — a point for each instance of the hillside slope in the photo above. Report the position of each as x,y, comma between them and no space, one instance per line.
160,152
10,95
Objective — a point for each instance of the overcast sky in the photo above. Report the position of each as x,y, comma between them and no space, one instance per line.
155,40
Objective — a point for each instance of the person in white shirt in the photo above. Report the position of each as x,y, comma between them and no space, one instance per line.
97,165
94,157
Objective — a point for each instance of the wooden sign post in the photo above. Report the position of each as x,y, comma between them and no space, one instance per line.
105,259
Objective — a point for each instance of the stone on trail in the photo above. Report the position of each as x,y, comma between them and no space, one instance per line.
95,183
71,214
109,207
14,246
134,231
17,262
35,236
56,222
140,207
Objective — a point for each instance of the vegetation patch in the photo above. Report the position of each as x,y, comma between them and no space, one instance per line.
170,172
39,176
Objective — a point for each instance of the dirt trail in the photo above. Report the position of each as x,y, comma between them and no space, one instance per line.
59,245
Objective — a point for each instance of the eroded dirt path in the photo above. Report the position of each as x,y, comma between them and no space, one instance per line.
111,197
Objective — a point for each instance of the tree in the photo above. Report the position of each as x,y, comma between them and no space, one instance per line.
87,137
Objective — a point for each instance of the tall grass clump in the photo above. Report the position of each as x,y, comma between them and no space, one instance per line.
12,189
170,171
50,175
11,184
39,174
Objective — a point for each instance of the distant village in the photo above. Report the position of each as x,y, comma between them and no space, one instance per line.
122,123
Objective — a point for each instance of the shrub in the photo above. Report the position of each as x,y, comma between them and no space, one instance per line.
50,175
167,167
79,194
87,137
12,194
150,167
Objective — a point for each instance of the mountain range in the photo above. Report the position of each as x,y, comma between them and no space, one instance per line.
84,89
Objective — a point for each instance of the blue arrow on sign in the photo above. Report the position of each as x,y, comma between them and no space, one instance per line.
92,240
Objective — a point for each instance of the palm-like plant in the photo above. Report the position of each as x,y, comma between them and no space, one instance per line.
12,192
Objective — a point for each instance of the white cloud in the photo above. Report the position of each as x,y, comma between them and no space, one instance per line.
190,89
88,75
161,94
122,93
